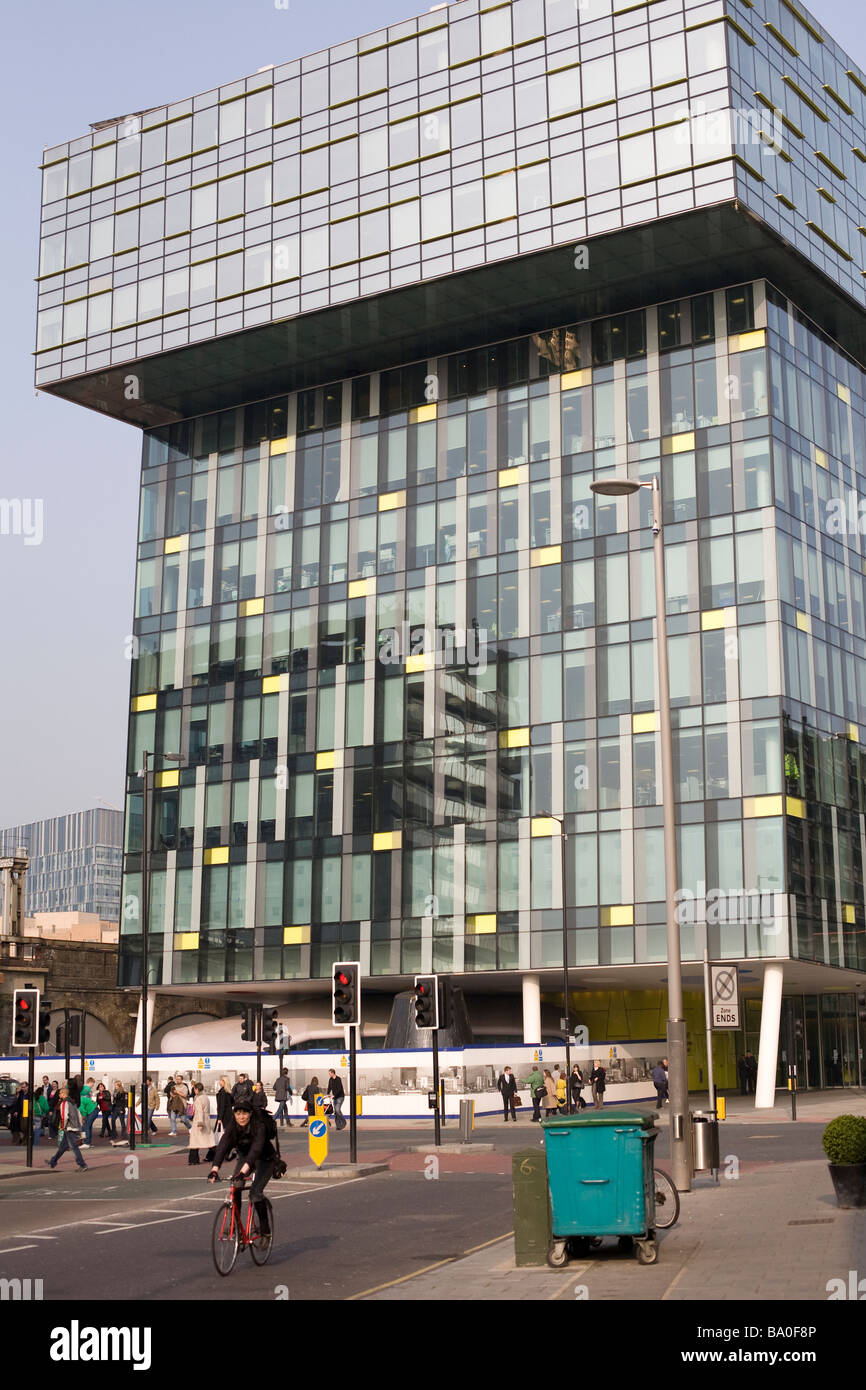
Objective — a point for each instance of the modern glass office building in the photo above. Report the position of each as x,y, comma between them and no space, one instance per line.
383,313
75,862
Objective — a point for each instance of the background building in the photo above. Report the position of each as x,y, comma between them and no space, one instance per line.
383,314
75,862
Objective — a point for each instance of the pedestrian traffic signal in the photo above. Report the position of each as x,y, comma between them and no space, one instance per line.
25,1015
346,993
248,1026
269,1029
44,1021
426,1001
284,1038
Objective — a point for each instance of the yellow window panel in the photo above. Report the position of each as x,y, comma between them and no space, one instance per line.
744,341
714,618
168,779
387,839
679,443
622,915
843,393
510,477
795,807
514,738
569,380
279,446
481,925
848,912
218,855
359,588
543,825
854,733
141,703
186,941
754,806
804,622
272,684
820,457
644,723
175,544
390,501
296,936
252,607
420,661
333,758
547,555
422,412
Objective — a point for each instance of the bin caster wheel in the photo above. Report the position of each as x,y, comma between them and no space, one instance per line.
577,1247
557,1255
625,1243
595,1242
647,1252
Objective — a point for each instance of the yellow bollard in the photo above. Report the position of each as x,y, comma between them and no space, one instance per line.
721,1108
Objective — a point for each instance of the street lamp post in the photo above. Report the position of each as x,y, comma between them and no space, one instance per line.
563,838
676,1027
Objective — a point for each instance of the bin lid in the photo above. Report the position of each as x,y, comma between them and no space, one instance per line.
638,1118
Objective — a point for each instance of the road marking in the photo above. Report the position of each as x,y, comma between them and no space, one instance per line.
139,1225
677,1277
485,1243
573,1277
11,1249
402,1280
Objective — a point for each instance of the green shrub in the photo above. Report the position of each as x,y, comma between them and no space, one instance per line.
844,1139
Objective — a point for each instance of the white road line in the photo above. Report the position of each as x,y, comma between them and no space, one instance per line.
163,1220
12,1249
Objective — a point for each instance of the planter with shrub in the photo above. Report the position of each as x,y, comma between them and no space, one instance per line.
844,1142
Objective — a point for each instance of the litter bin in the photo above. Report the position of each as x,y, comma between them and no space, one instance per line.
705,1140
600,1174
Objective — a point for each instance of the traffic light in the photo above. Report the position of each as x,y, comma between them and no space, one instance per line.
446,1003
269,1029
59,1038
75,1030
25,1016
44,1021
346,993
248,1026
284,1038
426,1001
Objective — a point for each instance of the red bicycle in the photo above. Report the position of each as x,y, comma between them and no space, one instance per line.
230,1234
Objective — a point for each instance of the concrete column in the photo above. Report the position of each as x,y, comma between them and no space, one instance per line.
531,1011
768,1047
136,1046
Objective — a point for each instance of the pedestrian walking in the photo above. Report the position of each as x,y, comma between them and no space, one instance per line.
752,1073
535,1082
660,1081
103,1105
243,1087
742,1074
40,1115
507,1086
282,1095
561,1084
260,1098
308,1096
597,1078
549,1101
576,1087
18,1121
88,1111
337,1093
118,1110
152,1105
223,1103
177,1111
201,1135
69,1131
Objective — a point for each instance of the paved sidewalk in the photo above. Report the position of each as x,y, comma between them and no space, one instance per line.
774,1232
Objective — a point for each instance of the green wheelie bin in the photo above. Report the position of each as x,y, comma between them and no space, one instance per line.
600,1174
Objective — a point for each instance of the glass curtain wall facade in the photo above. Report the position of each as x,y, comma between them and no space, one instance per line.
387,634
75,862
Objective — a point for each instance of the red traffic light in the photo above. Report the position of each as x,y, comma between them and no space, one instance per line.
421,989
341,977
24,1004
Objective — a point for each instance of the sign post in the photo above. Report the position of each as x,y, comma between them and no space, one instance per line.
318,1132
722,1008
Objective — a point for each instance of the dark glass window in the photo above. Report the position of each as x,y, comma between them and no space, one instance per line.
669,325
703,319
741,313
306,411
360,398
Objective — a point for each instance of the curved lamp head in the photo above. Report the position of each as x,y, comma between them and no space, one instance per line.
616,487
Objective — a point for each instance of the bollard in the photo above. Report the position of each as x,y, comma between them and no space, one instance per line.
532,1230
467,1120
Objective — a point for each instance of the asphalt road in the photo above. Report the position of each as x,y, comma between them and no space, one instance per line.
100,1236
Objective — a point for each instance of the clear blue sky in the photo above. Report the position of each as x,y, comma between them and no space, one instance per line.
67,603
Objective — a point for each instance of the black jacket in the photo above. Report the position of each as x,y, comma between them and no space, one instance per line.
598,1075
576,1084
251,1142
224,1106
242,1088
335,1087
507,1084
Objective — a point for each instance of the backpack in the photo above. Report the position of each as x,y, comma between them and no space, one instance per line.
272,1133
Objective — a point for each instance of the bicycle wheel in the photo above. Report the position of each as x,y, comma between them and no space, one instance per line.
667,1200
261,1246
225,1240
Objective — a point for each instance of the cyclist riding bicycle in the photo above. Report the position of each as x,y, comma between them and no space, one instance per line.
246,1132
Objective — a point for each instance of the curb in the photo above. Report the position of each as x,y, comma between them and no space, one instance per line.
345,1170
467,1148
